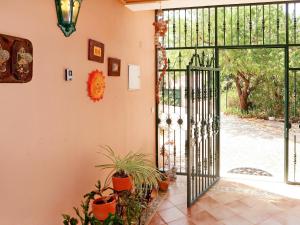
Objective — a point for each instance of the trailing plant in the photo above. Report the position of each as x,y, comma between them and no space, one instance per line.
136,165
85,216
133,204
113,220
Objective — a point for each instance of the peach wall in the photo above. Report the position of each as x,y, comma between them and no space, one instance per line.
49,129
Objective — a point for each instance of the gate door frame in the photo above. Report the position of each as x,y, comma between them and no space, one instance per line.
203,125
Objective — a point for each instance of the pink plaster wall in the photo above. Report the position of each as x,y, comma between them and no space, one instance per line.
49,129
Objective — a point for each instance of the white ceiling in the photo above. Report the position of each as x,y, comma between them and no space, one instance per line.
189,3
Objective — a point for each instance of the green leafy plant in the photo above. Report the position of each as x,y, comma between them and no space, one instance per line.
133,204
113,220
136,165
85,216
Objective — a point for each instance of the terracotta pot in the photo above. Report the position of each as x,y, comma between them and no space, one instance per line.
122,184
164,185
102,210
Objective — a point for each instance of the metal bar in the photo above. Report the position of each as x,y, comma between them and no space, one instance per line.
197,27
263,25
224,26
231,28
203,34
191,27
278,23
156,105
174,29
238,26
189,199
286,100
239,47
239,4
244,25
250,25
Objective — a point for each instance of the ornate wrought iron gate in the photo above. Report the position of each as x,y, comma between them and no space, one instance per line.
203,117
240,26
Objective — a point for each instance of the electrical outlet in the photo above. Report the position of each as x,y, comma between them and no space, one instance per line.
68,75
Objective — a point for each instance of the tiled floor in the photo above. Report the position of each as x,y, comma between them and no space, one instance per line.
227,203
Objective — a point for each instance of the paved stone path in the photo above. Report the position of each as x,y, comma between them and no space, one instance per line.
252,143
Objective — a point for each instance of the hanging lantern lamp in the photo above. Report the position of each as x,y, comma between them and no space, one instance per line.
67,15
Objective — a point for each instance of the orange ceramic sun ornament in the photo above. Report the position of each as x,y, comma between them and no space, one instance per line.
161,28
96,85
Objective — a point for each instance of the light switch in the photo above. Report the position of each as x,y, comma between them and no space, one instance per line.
68,75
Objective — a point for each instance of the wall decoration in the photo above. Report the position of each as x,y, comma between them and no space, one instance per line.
161,28
16,59
96,85
4,57
96,51
67,15
134,73
114,67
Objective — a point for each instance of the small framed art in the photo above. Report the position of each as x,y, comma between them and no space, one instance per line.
114,67
96,51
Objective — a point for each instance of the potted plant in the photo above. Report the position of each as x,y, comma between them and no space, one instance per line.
132,168
102,207
164,182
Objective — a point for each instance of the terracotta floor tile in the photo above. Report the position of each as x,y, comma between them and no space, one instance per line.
221,212
287,219
251,201
166,205
270,221
190,211
222,206
204,218
255,215
157,220
183,221
171,214
207,202
238,206
226,198
286,204
178,199
236,220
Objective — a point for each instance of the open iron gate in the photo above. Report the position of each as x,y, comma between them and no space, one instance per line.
239,26
203,119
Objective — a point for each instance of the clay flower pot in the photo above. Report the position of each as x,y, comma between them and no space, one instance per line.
164,184
122,183
102,207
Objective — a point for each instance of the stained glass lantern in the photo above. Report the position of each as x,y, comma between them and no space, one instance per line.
67,15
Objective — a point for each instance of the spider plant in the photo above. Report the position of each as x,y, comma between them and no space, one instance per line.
136,165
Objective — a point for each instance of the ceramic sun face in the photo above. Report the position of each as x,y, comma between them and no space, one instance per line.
96,85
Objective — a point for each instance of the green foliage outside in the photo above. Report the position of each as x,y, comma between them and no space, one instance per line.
255,77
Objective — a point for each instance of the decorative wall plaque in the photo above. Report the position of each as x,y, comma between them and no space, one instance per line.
16,61
96,85
96,51
114,67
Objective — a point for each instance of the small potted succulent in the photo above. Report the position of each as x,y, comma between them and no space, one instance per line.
133,168
164,182
102,207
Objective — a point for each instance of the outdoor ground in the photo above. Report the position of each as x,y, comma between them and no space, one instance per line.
254,147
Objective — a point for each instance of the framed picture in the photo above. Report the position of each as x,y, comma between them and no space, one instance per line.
114,67
96,51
